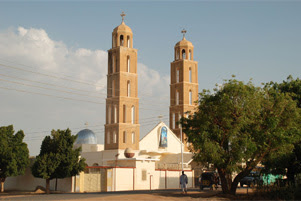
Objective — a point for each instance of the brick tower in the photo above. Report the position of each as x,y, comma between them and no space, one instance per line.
122,103
183,83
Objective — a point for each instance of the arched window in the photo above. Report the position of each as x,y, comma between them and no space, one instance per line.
121,40
128,88
124,136
177,54
114,137
129,64
178,75
183,54
133,114
190,97
108,138
115,114
190,75
177,97
129,42
109,115
173,120
124,113
189,55
133,137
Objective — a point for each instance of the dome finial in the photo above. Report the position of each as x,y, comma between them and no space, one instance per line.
86,124
122,16
183,32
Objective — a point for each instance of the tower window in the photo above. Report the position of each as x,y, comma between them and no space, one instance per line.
121,40
183,54
129,42
133,137
113,41
177,97
190,97
177,54
124,136
190,75
178,75
179,118
133,114
128,88
114,137
108,138
173,120
113,64
129,64
189,55
113,88
109,115
115,114
124,113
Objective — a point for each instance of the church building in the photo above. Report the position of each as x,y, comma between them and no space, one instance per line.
125,162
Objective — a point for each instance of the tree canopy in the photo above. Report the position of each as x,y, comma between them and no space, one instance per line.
58,158
286,161
235,127
14,154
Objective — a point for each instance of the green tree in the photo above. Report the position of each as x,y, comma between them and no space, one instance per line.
240,124
58,158
288,160
14,154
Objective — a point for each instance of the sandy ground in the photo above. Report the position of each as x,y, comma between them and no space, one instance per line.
168,195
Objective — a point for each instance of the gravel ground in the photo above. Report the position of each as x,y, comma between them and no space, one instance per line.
193,194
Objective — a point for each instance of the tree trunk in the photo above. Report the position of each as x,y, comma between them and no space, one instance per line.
237,179
47,186
2,180
224,181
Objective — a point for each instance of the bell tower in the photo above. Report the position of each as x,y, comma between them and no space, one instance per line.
183,83
122,103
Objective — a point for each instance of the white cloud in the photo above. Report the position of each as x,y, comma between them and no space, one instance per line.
33,49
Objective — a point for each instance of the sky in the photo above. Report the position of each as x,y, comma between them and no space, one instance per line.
53,55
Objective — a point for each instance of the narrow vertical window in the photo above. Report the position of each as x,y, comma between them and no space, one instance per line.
189,55
190,97
128,88
183,54
179,118
178,75
109,115
124,136
113,64
190,75
177,97
173,120
108,138
133,114
177,54
129,64
133,137
121,40
129,42
113,88
115,114
124,113
114,137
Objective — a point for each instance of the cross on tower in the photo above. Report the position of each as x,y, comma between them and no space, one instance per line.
183,32
122,16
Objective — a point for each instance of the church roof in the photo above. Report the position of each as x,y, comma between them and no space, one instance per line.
122,28
184,42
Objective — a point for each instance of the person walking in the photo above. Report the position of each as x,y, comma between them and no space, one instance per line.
184,182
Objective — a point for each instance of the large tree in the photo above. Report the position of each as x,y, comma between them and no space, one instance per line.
14,154
287,161
58,158
235,127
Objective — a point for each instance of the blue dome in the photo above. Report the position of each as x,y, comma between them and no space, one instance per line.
86,136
